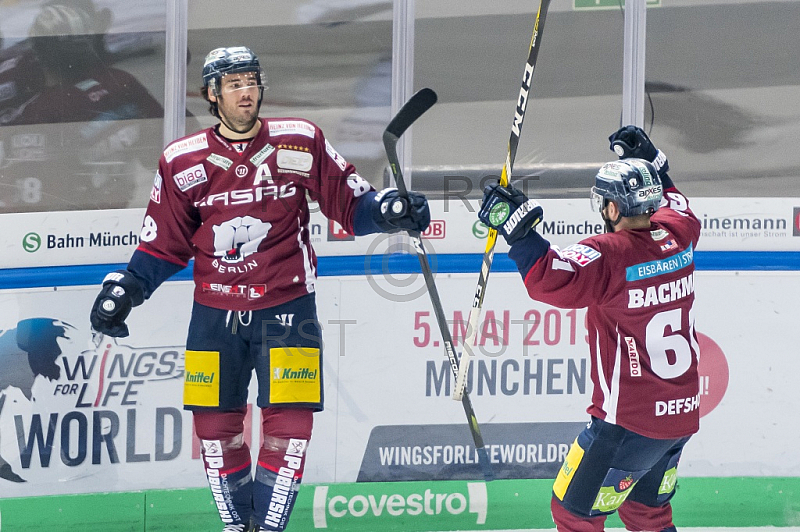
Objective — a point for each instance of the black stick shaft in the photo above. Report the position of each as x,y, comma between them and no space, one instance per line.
413,109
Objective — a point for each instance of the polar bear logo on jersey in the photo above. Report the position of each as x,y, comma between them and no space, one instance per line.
239,237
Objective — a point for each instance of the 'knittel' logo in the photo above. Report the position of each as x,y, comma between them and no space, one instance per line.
199,377
297,374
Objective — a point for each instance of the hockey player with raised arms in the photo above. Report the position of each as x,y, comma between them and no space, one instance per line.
233,198
637,283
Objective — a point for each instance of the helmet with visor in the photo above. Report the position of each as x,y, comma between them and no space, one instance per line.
235,59
633,184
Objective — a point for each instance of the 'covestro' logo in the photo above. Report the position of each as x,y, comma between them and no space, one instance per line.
376,505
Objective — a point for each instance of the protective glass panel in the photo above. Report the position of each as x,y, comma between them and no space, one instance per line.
328,62
81,119
473,54
724,95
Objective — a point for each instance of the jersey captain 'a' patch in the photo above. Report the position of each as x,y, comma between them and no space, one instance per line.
580,254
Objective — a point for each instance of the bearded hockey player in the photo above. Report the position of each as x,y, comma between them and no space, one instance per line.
233,198
637,282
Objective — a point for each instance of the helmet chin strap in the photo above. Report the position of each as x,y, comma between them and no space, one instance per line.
610,224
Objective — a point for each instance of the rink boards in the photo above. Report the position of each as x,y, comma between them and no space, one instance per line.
113,422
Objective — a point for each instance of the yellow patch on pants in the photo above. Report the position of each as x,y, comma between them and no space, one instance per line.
567,471
295,375
201,378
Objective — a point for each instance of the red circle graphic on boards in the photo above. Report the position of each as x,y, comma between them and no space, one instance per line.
713,370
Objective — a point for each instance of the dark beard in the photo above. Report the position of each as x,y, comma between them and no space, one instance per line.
239,126
609,224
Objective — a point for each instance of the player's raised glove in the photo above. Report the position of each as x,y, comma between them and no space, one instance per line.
120,293
392,212
633,142
509,211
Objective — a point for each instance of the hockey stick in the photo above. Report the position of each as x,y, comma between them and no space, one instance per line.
488,255
413,109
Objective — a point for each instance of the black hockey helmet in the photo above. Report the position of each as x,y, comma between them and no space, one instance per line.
222,61
633,184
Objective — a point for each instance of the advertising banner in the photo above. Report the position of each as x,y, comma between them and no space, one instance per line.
102,237
82,414
428,452
412,506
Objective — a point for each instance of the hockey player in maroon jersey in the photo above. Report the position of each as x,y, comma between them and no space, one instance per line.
637,282
233,197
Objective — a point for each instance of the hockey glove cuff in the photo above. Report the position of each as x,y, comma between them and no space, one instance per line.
509,211
391,212
527,251
120,293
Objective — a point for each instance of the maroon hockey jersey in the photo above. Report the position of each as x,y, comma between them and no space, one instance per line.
244,216
638,286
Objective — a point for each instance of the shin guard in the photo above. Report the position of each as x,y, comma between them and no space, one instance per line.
227,464
280,464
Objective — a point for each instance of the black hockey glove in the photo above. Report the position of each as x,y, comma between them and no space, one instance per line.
392,212
509,211
120,293
632,141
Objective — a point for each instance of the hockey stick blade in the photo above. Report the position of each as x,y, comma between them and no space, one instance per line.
415,107
408,114
505,176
